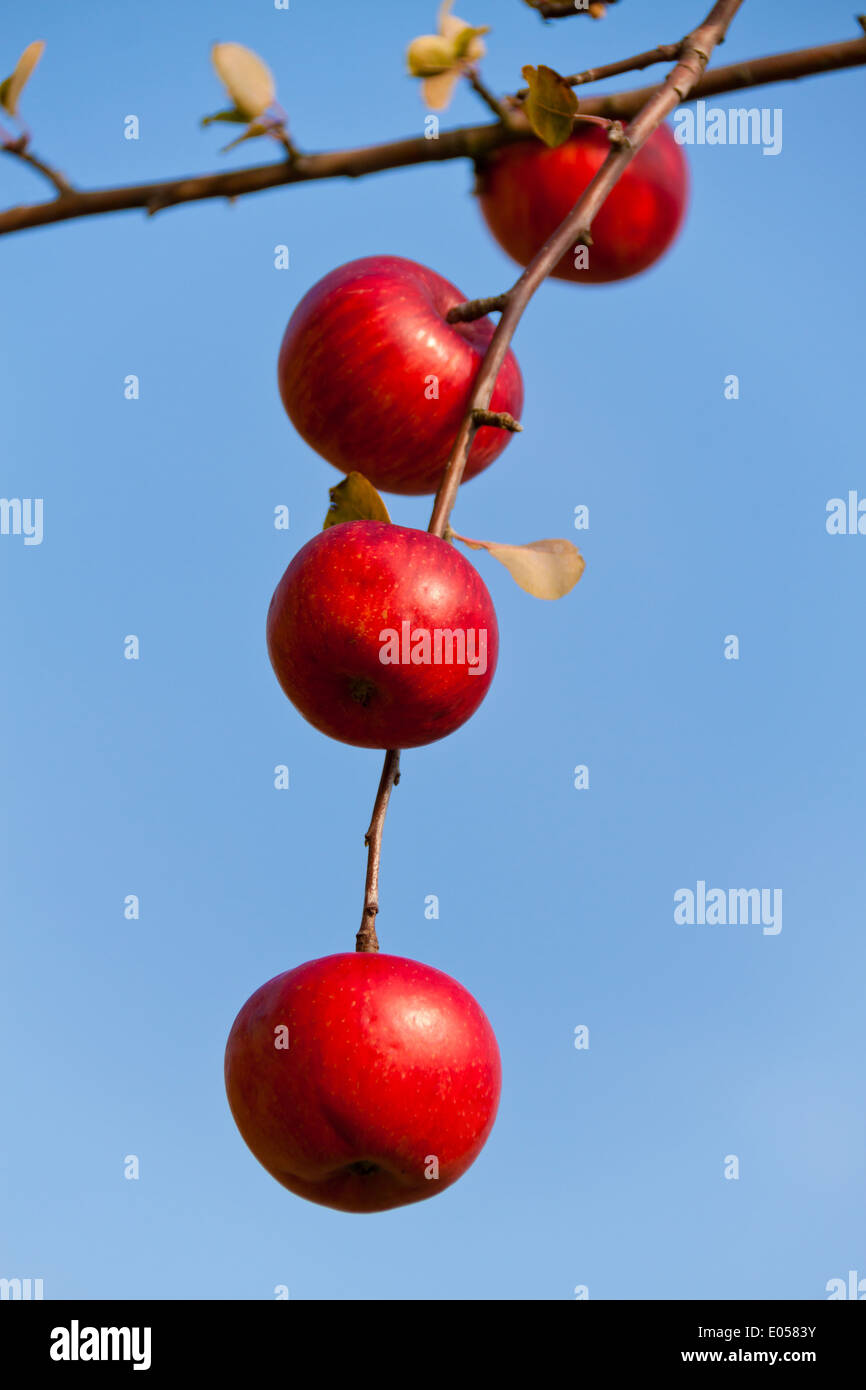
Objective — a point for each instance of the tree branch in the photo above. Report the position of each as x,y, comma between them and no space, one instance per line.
366,938
560,9
664,53
684,77
54,176
470,142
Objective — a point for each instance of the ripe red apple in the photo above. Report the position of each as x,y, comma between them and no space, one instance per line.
375,379
346,635
363,1081
527,190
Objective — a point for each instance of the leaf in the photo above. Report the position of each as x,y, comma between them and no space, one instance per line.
429,55
235,116
13,86
436,91
355,499
467,43
551,105
440,59
254,129
246,78
545,569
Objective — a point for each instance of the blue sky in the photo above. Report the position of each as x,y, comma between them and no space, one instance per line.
155,777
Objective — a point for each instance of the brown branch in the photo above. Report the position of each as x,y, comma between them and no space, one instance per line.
366,938
751,72
470,142
18,148
694,55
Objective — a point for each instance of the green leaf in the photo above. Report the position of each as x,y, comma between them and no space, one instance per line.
246,78
546,569
355,499
12,87
551,105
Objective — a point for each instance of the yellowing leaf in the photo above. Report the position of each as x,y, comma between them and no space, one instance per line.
254,129
550,106
460,32
436,91
467,43
246,78
355,499
545,569
440,59
13,86
429,55
235,116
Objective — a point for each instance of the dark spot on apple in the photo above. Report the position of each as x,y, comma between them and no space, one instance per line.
362,1167
362,691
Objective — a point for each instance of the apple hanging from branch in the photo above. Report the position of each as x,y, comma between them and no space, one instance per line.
382,636
526,190
375,378
363,1081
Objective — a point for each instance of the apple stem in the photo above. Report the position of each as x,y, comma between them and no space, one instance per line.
366,938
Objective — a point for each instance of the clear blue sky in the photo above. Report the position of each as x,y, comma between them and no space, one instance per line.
155,777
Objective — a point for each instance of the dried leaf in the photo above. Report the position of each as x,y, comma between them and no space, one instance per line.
550,106
440,59
13,86
546,569
246,78
436,91
355,499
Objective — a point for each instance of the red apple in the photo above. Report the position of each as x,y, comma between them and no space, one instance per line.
375,379
363,1081
382,636
527,190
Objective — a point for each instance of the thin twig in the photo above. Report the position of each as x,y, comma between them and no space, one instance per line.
694,55
499,419
58,181
476,308
469,142
366,939
499,109
664,53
